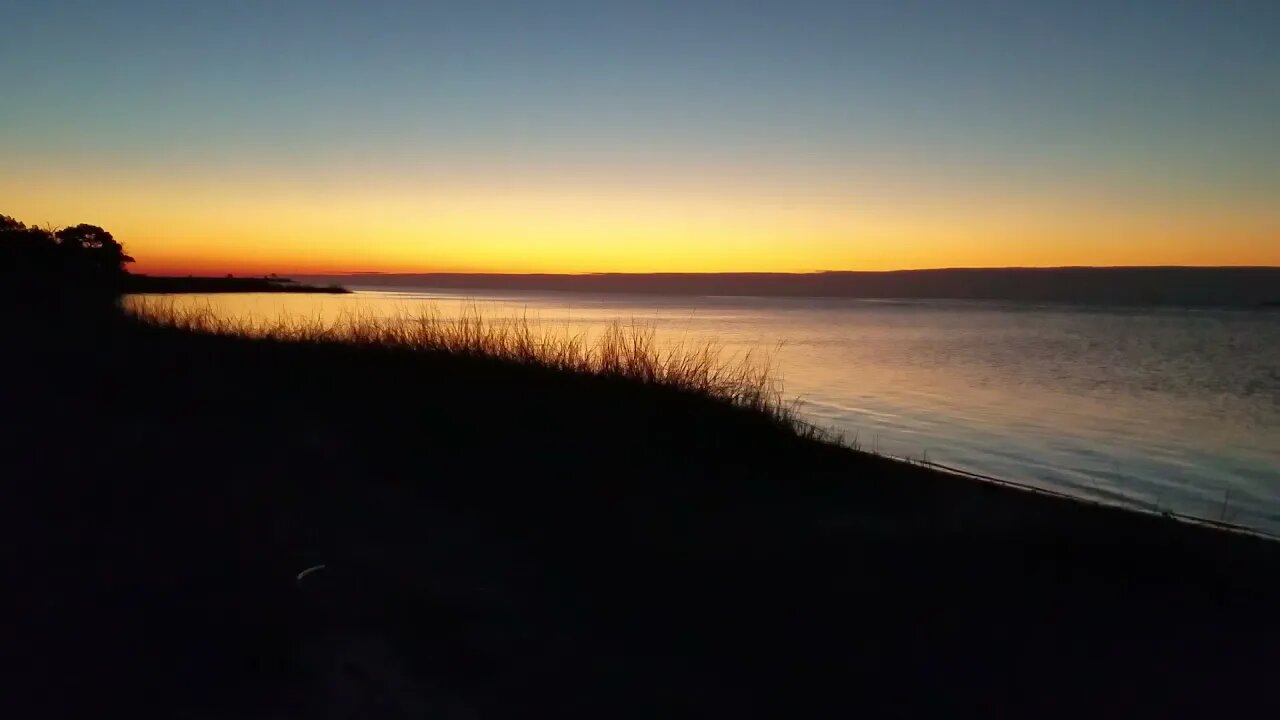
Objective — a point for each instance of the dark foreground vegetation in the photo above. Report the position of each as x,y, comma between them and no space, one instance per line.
591,537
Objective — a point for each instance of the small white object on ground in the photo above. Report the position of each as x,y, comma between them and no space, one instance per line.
308,571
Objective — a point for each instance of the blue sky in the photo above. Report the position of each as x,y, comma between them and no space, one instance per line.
1165,102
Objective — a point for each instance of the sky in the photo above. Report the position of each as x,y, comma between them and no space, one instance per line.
603,136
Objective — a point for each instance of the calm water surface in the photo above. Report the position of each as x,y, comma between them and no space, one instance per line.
1170,408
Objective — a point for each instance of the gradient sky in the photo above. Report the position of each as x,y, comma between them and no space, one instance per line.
647,136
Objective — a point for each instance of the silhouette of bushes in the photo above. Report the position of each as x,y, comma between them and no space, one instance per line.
79,258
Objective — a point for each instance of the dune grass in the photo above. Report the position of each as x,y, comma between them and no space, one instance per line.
629,353
623,351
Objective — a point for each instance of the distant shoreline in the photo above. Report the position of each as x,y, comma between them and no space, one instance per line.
192,284
1161,286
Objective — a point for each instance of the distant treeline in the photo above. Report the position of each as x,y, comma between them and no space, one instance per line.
86,260
228,284
1192,286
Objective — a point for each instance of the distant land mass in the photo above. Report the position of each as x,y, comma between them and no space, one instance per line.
134,283
1185,286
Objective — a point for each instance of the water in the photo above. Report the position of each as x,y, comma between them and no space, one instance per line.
1169,409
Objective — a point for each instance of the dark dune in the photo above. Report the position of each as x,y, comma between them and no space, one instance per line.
512,541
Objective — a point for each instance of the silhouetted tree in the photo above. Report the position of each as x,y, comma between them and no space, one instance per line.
27,250
93,249
81,260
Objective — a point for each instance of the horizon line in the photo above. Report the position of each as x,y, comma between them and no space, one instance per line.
385,273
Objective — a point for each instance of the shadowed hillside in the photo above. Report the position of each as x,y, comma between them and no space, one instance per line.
509,540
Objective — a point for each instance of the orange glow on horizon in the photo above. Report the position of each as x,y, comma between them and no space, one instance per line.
216,227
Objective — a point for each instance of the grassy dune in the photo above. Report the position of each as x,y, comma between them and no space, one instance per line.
519,525
624,352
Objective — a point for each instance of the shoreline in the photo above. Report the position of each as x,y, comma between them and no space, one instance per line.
1128,505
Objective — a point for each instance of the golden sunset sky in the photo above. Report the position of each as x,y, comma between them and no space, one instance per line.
700,136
